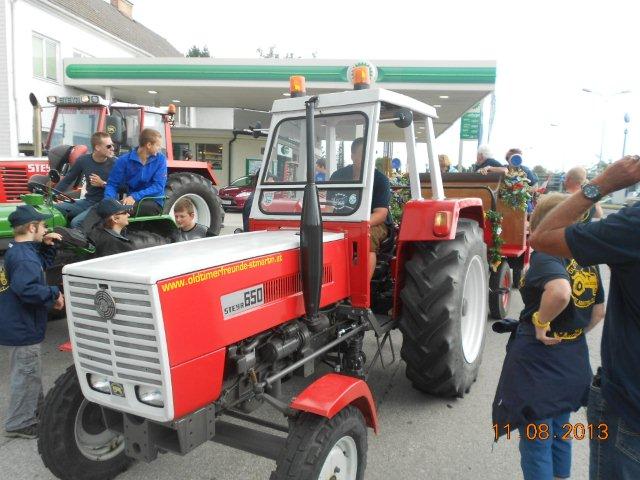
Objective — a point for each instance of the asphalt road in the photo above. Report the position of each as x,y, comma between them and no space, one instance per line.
421,437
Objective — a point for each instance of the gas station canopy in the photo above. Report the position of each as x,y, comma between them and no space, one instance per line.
452,87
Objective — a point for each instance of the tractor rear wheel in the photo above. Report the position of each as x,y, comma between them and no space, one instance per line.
318,448
73,440
444,312
500,291
208,210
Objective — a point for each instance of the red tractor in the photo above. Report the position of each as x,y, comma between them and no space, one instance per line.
172,346
76,118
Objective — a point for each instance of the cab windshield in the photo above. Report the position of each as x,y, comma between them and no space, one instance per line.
74,126
339,153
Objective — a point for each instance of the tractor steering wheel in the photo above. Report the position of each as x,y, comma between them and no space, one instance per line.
63,195
41,189
339,202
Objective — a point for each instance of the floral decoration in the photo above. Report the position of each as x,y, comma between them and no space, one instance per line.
495,251
515,190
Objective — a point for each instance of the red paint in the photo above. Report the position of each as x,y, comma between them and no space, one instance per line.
357,236
418,217
197,383
65,347
332,392
513,250
193,319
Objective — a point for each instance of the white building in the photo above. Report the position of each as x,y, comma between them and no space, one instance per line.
35,37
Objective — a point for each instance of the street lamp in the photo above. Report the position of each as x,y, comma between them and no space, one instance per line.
627,119
605,99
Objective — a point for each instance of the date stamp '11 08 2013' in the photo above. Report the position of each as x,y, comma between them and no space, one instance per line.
569,431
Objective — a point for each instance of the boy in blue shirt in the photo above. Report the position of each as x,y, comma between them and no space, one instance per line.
25,299
143,173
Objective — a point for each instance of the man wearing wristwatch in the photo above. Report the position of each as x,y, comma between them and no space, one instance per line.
615,241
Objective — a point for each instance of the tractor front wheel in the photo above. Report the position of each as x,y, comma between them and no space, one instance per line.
444,312
500,291
319,448
73,440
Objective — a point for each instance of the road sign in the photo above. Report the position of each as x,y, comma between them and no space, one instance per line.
470,124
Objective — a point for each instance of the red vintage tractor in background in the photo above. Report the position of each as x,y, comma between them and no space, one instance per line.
76,118
173,345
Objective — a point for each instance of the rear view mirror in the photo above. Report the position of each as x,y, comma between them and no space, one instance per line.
405,118
115,127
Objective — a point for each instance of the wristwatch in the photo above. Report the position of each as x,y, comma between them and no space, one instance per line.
591,192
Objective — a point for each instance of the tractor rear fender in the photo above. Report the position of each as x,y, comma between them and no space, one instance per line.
199,168
417,225
419,216
332,392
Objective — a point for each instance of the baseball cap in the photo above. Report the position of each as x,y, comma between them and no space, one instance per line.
25,214
111,206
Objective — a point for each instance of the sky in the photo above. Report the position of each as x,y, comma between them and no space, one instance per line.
547,52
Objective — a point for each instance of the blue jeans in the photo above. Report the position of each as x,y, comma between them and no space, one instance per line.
25,381
77,210
618,456
545,459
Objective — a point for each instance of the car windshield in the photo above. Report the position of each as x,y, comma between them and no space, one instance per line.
241,182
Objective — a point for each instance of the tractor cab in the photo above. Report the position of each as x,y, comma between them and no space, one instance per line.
76,118
348,129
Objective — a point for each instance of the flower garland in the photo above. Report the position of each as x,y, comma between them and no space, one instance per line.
399,196
515,190
495,251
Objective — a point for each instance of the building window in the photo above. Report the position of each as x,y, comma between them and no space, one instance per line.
45,57
210,152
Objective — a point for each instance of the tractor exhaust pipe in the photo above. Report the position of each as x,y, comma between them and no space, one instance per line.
37,125
311,230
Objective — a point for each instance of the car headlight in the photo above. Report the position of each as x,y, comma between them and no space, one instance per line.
150,395
99,383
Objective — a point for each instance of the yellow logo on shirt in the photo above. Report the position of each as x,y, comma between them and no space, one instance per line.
584,284
4,281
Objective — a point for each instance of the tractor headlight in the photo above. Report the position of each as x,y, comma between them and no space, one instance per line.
150,395
99,383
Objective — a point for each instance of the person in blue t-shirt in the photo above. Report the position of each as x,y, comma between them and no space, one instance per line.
380,220
546,372
531,176
614,397
142,172
94,168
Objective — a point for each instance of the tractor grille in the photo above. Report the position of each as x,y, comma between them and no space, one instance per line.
291,284
124,346
14,181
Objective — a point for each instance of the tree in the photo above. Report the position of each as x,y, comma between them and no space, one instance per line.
541,172
272,53
196,52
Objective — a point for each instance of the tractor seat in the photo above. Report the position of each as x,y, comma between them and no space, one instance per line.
387,246
72,236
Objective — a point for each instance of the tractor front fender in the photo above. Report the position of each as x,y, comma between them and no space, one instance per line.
332,392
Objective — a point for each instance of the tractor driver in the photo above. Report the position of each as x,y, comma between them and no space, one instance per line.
143,172
380,220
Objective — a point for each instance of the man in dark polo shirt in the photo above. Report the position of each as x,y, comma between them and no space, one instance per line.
614,398
379,222
94,168
485,162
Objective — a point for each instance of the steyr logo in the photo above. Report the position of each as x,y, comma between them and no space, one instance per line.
105,304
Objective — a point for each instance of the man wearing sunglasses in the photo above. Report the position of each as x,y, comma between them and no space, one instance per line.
95,168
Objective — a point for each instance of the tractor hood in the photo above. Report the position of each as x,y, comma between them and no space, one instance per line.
7,208
152,265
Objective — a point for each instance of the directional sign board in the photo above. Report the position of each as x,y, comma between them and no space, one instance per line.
470,124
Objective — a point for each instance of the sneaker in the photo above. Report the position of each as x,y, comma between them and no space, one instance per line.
29,432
